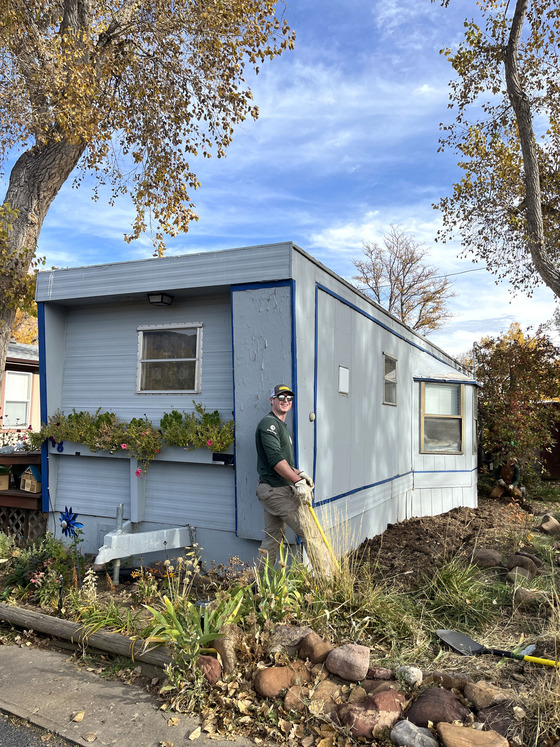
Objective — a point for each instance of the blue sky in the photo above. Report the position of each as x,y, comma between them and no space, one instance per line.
346,145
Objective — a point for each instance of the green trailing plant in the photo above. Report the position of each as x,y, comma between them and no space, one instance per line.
198,429
139,438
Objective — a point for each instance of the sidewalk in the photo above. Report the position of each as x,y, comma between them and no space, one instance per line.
46,688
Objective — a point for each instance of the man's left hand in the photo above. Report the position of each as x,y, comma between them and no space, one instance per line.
307,479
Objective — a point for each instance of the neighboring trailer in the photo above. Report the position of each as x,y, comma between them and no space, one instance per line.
383,419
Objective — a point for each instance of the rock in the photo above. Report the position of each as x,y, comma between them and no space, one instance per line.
535,558
486,558
294,698
550,525
376,686
286,639
271,681
211,668
518,575
350,662
314,648
372,715
409,676
446,680
380,673
357,694
521,561
301,671
436,704
326,690
452,735
226,646
483,694
407,734
528,599
499,717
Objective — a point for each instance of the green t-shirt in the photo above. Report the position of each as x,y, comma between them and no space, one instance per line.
274,443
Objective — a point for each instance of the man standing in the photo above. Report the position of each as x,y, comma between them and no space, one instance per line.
282,488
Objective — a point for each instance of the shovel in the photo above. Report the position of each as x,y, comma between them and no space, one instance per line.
466,646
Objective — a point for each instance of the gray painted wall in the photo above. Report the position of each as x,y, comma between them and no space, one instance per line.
262,342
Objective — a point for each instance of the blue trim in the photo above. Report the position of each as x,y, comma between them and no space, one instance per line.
364,487
257,286
391,479
380,324
315,364
292,285
233,384
43,406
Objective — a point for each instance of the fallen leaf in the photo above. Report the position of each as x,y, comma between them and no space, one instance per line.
78,717
195,733
89,736
174,721
166,744
307,741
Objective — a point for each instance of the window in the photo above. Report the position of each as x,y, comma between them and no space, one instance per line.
389,380
17,399
169,357
442,418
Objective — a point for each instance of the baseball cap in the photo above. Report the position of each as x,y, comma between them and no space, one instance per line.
281,389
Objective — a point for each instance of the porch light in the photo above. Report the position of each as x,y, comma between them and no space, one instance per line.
160,299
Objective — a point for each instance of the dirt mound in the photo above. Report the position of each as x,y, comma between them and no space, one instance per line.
416,547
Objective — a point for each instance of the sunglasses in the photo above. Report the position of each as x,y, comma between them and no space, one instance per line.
287,397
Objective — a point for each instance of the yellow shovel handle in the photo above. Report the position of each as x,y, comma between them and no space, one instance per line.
320,528
546,662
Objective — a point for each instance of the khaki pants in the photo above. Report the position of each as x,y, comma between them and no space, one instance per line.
282,508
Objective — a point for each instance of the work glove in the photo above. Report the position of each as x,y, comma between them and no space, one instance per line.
307,479
303,491
502,483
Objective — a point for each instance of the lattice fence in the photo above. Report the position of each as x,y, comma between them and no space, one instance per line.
25,524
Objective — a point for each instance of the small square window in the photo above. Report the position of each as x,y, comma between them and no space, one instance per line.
169,358
389,380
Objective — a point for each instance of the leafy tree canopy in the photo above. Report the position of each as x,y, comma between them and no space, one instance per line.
131,90
519,374
506,98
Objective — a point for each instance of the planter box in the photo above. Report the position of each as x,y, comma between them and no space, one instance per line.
169,453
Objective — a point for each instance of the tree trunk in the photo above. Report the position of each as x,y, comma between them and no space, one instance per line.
522,108
35,180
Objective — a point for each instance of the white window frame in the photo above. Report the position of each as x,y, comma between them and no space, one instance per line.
426,416
26,402
198,361
387,356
